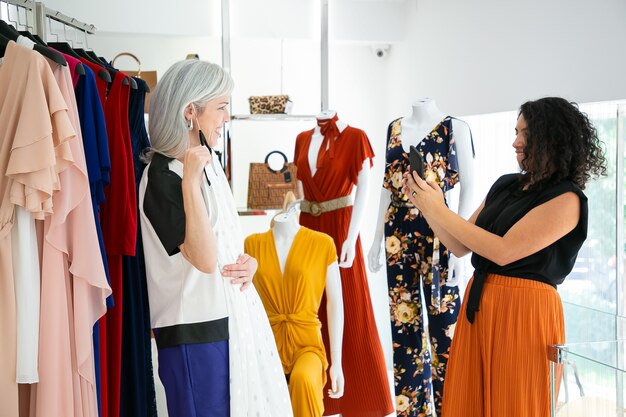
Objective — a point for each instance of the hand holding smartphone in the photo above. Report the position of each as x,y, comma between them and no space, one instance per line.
416,162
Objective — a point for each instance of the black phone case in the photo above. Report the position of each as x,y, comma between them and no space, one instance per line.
416,162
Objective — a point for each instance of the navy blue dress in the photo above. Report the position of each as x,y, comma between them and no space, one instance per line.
137,385
417,266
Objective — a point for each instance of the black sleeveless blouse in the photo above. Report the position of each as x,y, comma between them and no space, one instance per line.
505,205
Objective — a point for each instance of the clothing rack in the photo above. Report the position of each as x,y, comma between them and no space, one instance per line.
39,14
66,20
29,6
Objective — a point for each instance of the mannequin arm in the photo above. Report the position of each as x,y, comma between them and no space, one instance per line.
348,248
467,168
334,311
374,255
467,179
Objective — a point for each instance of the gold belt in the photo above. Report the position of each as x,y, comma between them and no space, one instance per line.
315,208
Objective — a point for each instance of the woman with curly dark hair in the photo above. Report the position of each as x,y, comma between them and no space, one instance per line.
525,238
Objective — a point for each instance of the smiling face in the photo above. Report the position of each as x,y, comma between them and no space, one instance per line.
521,135
210,119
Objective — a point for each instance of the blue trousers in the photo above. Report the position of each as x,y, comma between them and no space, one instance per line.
195,377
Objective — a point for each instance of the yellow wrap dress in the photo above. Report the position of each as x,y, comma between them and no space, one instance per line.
291,300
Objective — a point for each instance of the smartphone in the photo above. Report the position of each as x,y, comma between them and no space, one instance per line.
203,142
416,161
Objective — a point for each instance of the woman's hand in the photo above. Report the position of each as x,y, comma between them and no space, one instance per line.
242,271
195,159
425,195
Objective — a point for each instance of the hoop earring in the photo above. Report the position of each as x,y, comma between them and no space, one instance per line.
190,124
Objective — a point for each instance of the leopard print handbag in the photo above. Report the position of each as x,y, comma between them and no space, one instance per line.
269,104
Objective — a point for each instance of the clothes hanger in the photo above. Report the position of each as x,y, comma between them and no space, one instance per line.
80,52
30,36
11,33
79,68
38,41
66,48
26,33
93,56
146,88
83,54
125,80
87,54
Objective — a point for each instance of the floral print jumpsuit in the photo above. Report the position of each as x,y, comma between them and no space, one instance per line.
417,267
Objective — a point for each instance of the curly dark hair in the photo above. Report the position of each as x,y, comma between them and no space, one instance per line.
562,144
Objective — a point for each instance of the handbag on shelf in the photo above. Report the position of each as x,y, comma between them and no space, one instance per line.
267,187
150,77
270,104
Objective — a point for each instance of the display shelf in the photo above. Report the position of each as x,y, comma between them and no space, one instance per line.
272,117
252,141
245,211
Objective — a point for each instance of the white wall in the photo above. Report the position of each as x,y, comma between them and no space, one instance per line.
156,52
164,17
485,56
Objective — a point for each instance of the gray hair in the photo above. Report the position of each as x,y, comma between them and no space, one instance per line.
186,82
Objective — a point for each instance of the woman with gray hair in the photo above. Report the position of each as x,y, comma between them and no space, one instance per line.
217,355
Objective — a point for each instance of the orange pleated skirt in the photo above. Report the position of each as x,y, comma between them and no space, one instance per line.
498,365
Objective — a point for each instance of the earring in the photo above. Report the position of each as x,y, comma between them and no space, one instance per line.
190,124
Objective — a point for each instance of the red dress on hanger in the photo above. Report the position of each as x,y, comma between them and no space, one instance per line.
367,392
118,216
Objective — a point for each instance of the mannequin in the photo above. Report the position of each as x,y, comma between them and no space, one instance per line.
424,116
360,200
418,266
285,228
292,292
332,159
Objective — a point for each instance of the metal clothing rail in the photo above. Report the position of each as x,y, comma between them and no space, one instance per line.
28,4
41,14
67,20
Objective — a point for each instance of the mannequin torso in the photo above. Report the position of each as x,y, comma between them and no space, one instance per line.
346,164
419,124
316,140
348,247
424,117
285,229
417,266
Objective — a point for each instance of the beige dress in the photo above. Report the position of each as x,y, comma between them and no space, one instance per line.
31,155
45,173
73,282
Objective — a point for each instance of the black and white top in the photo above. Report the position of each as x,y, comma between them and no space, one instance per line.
186,305
190,306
